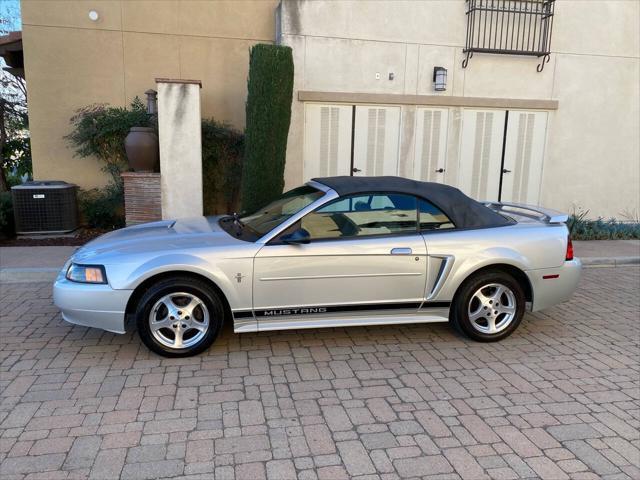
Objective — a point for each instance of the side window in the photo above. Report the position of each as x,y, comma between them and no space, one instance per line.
363,215
338,205
432,218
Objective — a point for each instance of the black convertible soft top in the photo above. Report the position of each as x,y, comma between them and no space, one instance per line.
462,210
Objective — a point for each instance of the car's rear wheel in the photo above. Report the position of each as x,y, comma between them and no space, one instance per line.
179,316
489,306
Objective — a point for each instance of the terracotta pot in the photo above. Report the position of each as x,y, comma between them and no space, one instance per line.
142,149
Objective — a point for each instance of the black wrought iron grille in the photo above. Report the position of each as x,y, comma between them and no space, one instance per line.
511,27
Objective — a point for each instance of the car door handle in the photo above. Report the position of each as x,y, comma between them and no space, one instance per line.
401,251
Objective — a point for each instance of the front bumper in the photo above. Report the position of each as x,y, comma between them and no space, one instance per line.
554,285
90,305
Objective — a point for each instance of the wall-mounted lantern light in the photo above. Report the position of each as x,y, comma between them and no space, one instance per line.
439,79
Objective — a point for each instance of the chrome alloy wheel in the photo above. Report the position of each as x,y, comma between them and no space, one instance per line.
492,308
179,320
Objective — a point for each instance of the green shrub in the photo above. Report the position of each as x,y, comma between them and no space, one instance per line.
13,180
102,207
222,149
600,229
270,88
99,130
16,157
7,225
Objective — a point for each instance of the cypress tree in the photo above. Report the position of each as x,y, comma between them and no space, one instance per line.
268,112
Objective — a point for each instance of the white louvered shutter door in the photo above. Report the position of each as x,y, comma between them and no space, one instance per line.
327,140
431,144
524,154
481,153
376,139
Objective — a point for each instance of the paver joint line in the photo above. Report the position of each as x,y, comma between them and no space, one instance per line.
558,399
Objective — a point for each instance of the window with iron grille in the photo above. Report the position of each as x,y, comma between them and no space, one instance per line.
509,27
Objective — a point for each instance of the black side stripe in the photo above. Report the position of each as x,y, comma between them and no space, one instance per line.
315,310
428,305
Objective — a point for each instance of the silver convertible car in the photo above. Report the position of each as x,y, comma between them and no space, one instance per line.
336,252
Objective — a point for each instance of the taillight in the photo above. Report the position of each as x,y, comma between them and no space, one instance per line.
569,255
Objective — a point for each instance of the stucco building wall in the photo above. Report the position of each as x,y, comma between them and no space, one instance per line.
592,148
591,156
72,62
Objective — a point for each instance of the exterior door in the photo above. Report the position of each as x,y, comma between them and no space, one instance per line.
376,140
481,153
340,272
365,257
327,140
523,156
430,144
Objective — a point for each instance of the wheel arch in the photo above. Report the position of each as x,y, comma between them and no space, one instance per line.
139,291
517,273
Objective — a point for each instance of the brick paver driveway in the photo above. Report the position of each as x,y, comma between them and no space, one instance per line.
558,399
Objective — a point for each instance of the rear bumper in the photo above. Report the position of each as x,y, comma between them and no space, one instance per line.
96,306
554,285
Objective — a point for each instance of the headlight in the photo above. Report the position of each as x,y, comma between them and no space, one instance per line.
86,273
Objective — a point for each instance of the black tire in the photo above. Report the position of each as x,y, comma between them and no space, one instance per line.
462,303
210,301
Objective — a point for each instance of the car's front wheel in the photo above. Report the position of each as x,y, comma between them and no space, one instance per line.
179,316
489,306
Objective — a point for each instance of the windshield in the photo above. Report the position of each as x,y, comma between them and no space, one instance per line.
290,203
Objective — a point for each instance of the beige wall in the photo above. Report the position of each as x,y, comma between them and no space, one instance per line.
592,159
72,62
592,153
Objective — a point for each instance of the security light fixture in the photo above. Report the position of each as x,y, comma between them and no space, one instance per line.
439,79
93,16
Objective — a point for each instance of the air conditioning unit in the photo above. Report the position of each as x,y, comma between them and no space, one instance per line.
45,207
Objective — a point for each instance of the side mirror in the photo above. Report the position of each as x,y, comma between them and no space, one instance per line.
299,236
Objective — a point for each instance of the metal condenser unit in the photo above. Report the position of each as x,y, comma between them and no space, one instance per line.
45,207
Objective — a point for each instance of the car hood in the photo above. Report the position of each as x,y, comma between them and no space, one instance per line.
155,237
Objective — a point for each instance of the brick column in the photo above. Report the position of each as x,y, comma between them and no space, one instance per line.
142,197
